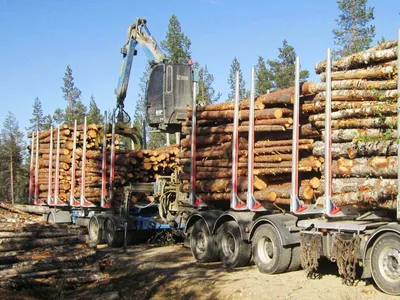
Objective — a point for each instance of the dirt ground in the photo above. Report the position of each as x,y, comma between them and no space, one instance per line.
170,272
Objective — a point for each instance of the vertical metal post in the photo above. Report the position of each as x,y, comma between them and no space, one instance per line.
72,200
132,142
144,146
83,168
252,204
193,150
398,125
50,199
328,139
167,139
112,159
31,171
104,164
57,174
36,197
235,202
177,138
294,188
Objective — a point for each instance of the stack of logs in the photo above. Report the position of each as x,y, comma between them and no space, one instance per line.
273,150
364,126
32,253
131,166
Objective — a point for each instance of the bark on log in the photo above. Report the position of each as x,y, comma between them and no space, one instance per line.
378,166
349,84
366,111
243,104
319,106
269,113
348,135
384,122
353,184
384,71
207,140
21,243
359,149
382,52
358,95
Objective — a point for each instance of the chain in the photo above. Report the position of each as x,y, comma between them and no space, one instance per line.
345,254
310,253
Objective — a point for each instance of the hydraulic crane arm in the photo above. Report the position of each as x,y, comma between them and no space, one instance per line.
138,33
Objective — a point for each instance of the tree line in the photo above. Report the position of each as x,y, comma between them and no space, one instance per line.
353,33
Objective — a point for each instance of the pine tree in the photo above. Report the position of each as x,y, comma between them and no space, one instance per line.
38,120
94,115
206,92
75,109
13,173
283,69
235,66
176,43
354,33
262,78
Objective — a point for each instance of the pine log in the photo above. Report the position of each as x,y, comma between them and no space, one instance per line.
384,71
269,113
353,185
384,122
319,106
378,110
207,140
350,84
269,158
9,244
243,104
382,52
359,149
283,96
363,198
348,135
358,95
228,128
378,166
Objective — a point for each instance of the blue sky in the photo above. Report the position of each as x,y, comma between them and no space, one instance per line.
40,38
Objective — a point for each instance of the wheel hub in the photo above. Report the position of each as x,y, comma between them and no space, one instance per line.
266,250
200,242
391,264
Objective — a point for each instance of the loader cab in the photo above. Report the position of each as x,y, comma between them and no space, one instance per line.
169,91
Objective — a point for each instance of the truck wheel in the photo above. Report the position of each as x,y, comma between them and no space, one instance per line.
202,243
385,263
96,231
268,253
295,261
114,238
233,251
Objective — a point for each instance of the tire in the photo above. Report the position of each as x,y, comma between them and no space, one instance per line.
295,261
233,251
268,253
385,263
202,243
113,237
96,231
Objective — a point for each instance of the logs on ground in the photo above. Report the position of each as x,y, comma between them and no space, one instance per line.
37,254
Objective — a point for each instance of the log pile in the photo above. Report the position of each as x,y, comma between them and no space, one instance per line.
273,150
131,166
32,253
364,125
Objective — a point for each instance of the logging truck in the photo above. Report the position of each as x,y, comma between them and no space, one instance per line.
282,178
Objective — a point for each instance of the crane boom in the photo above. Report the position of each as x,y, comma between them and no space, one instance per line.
138,33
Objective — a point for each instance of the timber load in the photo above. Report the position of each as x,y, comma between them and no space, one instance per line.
37,254
130,166
273,124
364,126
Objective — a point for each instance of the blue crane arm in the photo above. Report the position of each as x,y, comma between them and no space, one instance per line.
138,33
